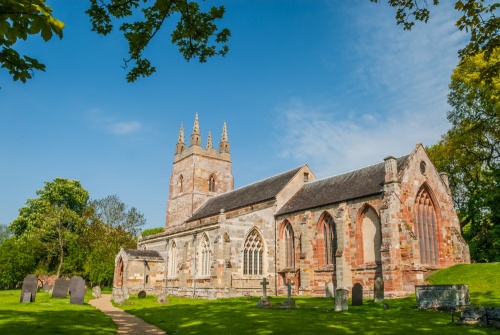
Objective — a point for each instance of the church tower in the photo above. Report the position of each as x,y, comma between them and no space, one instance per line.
197,174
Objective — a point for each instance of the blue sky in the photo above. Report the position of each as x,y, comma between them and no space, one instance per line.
332,84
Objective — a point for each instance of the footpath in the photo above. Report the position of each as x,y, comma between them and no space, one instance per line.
127,323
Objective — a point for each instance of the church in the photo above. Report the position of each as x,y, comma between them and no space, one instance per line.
391,222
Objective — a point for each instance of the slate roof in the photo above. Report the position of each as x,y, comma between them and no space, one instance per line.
143,253
356,184
258,192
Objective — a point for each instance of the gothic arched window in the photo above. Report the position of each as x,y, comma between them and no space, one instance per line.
172,267
371,235
252,254
211,183
426,227
181,184
327,229
289,246
205,256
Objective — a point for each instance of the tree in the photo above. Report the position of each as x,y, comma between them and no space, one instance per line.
152,231
113,212
479,18
18,20
17,259
470,153
4,233
55,218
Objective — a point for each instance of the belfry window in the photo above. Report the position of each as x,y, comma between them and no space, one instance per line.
211,183
252,254
426,228
181,183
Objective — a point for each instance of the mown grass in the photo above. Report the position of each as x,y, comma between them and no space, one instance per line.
49,315
316,315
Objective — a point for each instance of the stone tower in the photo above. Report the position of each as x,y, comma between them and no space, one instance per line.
197,174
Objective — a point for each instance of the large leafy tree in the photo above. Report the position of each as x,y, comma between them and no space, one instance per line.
55,218
470,153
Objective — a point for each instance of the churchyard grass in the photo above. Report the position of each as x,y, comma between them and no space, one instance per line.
316,315
49,315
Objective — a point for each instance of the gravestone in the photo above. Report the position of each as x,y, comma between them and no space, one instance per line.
289,301
357,295
264,300
77,290
378,290
329,290
162,298
118,297
61,288
442,297
141,294
46,287
341,299
96,292
30,286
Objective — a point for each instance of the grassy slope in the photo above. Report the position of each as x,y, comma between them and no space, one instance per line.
50,316
483,280
316,315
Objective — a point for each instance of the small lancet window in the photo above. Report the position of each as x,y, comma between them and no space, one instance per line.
211,184
181,184
306,177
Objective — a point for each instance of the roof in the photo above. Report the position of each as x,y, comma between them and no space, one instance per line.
351,185
142,253
258,192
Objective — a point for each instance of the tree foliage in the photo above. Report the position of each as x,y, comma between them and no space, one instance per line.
18,20
470,153
152,231
479,18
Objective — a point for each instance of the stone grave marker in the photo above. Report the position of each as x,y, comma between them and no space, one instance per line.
30,286
141,294
46,287
341,299
61,288
289,301
329,290
378,290
264,300
162,298
77,290
357,295
96,292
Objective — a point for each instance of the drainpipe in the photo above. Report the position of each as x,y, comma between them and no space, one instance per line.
275,260
166,265
194,272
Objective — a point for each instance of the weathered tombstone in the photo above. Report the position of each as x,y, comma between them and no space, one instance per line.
118,297
329,290
442,297
378,290
46,287
61,288
30,286
357,295
77,290
141,294
162,298
289,301
264,300
341,299
96,292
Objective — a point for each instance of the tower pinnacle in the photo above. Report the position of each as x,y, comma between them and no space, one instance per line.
224,141
181,145
195,135
209,141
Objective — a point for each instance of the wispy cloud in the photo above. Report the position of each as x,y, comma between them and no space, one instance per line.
112,125
395,98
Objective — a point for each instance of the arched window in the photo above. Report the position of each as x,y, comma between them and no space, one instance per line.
205,256
211,183
371,235
252,254
426,227
289,246
172,267
180,184
327,229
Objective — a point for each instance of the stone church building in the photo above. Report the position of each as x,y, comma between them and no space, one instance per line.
393,220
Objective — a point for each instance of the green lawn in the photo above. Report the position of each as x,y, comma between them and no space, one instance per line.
50,316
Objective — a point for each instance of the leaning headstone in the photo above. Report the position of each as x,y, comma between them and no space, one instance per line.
162,298
289,301
30,286
141,294
77,290
264,300
96,292
378,290
329,290
341,299
61,288
357,295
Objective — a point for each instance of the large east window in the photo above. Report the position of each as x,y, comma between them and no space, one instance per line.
426,228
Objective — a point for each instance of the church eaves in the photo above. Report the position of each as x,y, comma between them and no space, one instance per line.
255,193
351,185
143,254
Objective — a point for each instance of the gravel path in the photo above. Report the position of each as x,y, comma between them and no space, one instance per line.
127,324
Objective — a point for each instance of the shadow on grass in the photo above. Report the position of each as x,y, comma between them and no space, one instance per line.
484,299
312,316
